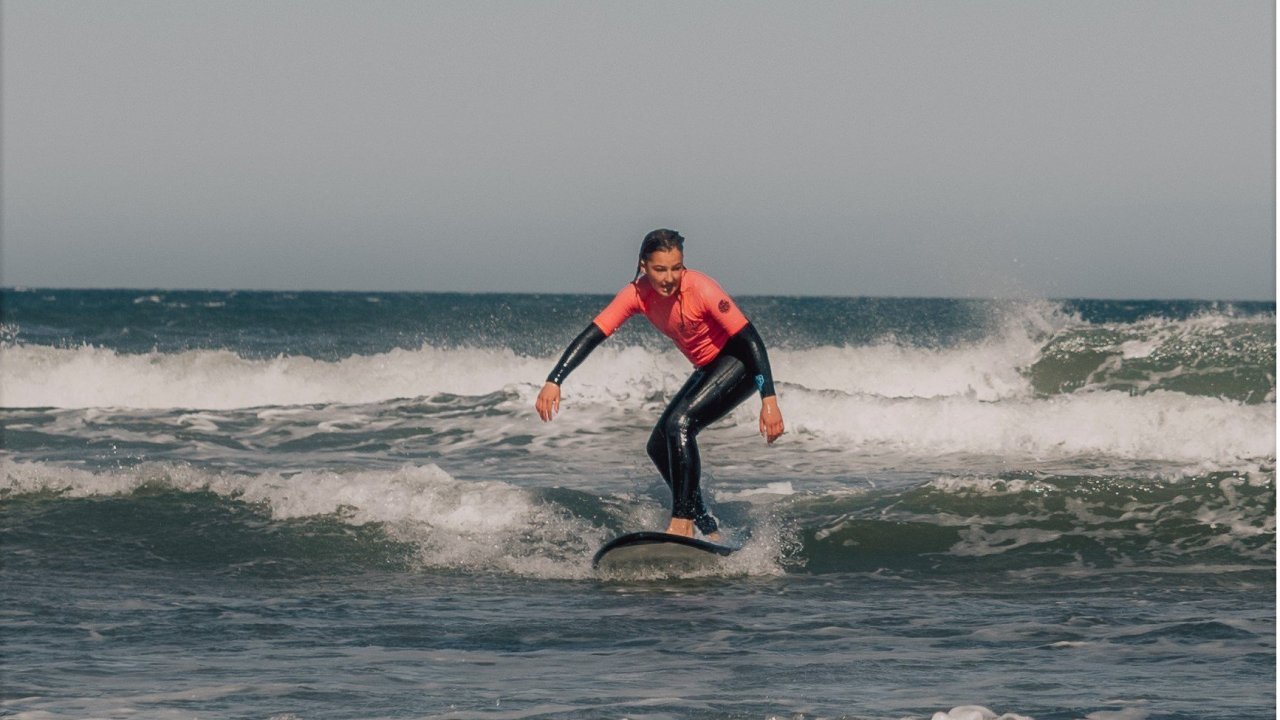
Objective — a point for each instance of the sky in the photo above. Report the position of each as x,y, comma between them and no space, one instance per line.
953,148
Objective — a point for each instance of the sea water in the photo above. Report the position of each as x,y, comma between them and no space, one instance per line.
343,505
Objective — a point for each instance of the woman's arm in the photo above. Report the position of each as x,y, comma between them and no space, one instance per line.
548,403
749,348
577,351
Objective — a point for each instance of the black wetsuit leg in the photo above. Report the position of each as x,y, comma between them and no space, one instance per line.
710,393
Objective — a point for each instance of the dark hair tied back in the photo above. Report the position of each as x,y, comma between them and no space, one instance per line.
660,240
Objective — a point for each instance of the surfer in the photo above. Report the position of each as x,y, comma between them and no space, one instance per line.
728,355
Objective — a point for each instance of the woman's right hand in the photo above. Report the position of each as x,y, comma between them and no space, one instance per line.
548,401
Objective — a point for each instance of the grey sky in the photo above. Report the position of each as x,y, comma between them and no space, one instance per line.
1082,149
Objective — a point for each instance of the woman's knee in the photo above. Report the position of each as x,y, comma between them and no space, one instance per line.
657,447
677,426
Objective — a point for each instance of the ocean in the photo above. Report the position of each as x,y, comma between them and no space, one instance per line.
312,505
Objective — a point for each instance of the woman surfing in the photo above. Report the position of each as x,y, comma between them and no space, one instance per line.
729,358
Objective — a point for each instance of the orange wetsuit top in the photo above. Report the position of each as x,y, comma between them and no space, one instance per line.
700,316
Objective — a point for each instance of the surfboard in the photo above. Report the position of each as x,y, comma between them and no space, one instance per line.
658,550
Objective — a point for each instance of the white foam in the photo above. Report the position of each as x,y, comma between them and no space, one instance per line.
89,376
978,542
1137,349
772,490
1157,426
894,371
975,712
987,485
484,526
477,526
41,376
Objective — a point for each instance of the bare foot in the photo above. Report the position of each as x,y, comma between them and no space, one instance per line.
680,526
713,536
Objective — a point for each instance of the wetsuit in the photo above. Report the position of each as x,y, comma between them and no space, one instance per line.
730,361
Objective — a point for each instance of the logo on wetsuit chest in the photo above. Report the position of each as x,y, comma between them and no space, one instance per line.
724,306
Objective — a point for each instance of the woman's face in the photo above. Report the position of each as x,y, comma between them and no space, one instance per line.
663,269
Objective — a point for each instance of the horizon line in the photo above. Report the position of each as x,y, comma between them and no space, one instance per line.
1060,298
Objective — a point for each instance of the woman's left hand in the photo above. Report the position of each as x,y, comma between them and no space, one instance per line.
770,419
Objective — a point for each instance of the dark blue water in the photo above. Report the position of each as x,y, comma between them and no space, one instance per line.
320,505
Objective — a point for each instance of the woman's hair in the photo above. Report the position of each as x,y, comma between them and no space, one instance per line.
660,240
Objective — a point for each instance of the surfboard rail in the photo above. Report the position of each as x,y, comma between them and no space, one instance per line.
650,537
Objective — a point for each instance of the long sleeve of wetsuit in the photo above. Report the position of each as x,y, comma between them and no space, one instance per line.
577,351
749,348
